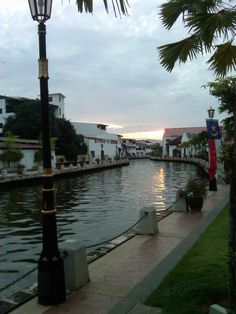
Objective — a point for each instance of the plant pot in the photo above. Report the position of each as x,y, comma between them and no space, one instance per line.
195,203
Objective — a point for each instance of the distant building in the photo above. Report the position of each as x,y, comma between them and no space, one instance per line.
172,137
136,148
7,106
101,144
57,100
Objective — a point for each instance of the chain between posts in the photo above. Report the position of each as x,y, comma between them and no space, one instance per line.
18,279
88,247
93,245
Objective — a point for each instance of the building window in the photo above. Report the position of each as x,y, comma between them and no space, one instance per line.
9,108
99,140
101,126
1,125
113,142
92,153
0,110
50,99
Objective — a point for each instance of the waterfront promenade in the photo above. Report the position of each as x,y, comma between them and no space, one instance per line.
122,279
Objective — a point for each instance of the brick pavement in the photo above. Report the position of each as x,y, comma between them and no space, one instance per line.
124,276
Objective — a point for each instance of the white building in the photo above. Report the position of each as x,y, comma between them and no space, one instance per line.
136,148
7,106
57,100
101,145
170,135
27,147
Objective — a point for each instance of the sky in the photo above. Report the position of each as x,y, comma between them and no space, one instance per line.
107,68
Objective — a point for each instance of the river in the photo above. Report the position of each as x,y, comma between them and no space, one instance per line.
93,207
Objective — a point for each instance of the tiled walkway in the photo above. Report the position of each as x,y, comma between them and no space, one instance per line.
120,278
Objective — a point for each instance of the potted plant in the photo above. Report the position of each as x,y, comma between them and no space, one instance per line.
196,192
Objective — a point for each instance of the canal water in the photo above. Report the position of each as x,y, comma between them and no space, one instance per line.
93,208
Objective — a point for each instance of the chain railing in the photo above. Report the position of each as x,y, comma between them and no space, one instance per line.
18,279
87,247
106,241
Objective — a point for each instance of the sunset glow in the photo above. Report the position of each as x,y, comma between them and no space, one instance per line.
155,135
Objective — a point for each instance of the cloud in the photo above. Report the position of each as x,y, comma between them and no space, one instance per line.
108,68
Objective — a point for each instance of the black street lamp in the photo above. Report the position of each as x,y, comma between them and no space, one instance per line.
51,279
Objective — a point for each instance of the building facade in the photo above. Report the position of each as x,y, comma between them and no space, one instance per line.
173,137
28,149
57,100
101,144
136,148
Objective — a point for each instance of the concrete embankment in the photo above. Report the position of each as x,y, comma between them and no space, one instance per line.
11,180
202,165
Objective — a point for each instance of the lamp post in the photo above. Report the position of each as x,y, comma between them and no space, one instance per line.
213,133
51,279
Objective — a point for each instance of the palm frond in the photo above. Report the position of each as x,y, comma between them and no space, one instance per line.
120,7
212,25
225,90
224,59
181,51
171,10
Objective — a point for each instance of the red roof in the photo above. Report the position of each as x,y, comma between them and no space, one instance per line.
180,131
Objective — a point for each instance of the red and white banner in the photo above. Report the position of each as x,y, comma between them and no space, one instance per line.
212,159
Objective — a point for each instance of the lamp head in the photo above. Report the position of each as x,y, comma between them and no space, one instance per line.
40,9
211,112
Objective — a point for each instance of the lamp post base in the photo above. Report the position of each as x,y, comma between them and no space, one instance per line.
51,282
212,185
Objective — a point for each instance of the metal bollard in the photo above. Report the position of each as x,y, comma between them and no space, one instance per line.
75,264
181,204
148,225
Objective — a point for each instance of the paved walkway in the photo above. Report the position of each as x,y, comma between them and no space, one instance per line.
122,279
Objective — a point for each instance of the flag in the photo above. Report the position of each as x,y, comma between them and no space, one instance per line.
212,159
213,129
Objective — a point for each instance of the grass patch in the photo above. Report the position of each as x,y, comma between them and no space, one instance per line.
201,278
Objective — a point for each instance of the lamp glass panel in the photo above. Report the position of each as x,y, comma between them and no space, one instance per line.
40,9
33,6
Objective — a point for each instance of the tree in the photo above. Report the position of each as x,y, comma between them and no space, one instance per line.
225,91
26,121
11,152
199,142
157,150
119,6
38,155
207,21
67,143
83,148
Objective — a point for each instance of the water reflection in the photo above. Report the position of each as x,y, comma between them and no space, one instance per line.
93,207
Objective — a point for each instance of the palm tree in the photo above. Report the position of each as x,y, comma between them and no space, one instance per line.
207,22
119,6
211,25
225,91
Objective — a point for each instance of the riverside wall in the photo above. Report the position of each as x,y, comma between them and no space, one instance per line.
14,179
